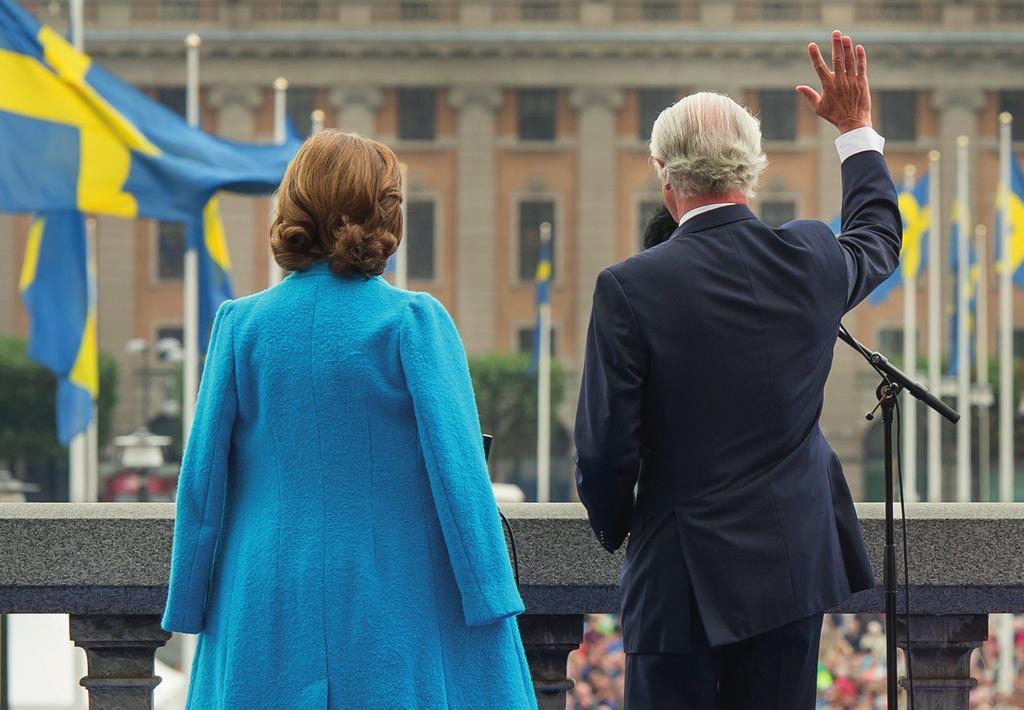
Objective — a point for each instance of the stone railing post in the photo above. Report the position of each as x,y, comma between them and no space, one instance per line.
119,650
941,648
549,639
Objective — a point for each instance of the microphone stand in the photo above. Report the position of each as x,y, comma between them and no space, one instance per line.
893,382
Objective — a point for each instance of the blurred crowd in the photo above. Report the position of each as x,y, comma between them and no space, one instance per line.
851,667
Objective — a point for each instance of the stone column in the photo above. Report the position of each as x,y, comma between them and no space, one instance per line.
116,250
9,275
119,650
548,640
941,648
357,108
596,181
475,215
236,120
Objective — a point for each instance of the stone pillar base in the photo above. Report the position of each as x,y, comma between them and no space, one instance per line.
120,651
941,649
549,639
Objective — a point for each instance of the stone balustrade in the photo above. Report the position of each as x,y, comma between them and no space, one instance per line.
106,565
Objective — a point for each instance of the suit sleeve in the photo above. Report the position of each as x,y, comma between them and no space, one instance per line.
437,376
607,430
872,229
202,483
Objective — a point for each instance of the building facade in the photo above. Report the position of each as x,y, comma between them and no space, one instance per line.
515,112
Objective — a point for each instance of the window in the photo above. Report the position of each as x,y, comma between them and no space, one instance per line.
1013,101
170,251
173,98
899,115
776,213
650,103
536,109
533,213
778,114
299,106
299,9
539,10
890,343
173,333
526,336
645,212
412,10
660,10
420,233
417,114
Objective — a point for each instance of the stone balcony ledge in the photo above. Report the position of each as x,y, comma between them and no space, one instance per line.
106,564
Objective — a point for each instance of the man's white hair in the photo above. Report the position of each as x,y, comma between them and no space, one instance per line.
708,145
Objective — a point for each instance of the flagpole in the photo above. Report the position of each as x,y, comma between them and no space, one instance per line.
910,362
401,263
934,325
92,469
981,361
544,383
274,272
80,453
190,365
317,121
1006,413
963,430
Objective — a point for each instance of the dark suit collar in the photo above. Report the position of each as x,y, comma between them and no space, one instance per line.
715,218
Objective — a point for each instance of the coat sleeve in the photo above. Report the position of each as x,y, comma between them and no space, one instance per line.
437,375
872,232
201,484
608,416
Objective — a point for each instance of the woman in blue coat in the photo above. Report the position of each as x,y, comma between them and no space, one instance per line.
337,543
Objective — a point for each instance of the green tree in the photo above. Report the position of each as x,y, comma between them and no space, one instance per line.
28,391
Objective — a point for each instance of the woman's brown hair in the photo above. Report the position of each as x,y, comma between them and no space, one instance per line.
340,201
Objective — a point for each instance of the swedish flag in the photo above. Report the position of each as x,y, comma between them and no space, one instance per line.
542,283
1010,207
973,273
74,137
914,209
206,235
58,291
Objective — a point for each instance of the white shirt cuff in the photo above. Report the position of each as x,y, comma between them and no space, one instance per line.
858,141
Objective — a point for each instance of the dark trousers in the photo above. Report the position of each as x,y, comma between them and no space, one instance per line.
774,671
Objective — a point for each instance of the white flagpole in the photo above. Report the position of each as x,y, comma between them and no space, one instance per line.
963,429
934,325
981,362
190,366
910,364
544,383
191,320
1006,413
92,468
274,272
317,121
401,263
78,448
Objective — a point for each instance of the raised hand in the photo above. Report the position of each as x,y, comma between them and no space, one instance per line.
845,99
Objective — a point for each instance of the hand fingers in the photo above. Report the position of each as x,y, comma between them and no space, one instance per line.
849,57
838,63
818,62
862,62
812,96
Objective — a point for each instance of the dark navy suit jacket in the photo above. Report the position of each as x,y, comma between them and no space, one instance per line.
703,383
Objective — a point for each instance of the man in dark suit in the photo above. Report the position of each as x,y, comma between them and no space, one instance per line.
703,384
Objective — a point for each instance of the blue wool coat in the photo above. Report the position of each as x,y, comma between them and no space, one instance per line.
337,543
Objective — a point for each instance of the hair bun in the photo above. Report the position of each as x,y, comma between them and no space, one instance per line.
360,248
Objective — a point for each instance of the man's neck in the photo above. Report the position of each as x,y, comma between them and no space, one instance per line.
686,204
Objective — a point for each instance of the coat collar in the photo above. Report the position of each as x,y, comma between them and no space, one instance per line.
716,218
